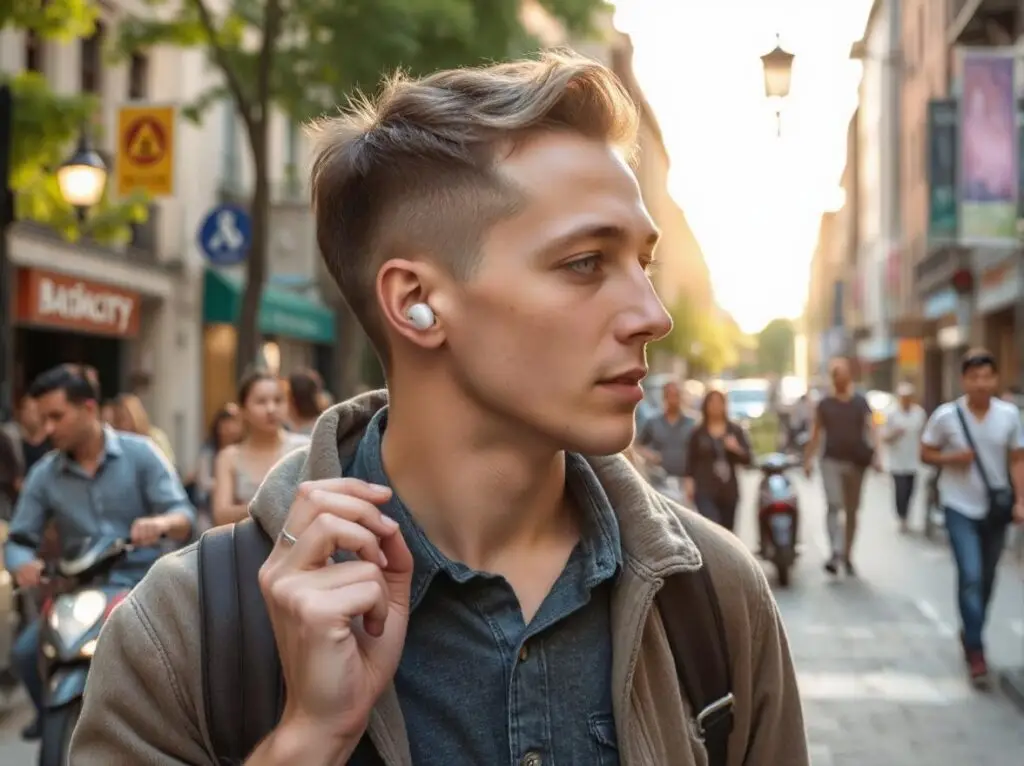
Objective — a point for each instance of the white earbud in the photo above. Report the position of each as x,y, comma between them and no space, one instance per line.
421,316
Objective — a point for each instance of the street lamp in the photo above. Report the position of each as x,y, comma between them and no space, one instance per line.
81,179
82,176
778,74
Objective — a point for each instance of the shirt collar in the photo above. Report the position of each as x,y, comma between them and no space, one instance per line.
112,448
600,542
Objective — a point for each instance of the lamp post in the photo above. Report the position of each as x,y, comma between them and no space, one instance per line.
81,178
778,73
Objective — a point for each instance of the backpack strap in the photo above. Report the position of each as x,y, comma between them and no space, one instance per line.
242,683
693,624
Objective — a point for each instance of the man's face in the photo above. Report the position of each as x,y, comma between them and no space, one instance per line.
840,374
980,382
672,399
549,332
67,424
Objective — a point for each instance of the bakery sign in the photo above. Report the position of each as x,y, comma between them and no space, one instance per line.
57,300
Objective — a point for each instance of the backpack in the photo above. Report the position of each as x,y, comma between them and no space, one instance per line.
243,687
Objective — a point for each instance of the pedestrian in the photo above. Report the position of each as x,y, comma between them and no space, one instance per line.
240,468
663,438
225,430
851,446
27,435
978,442
500,597
903,426
305,403
717,448
131,417
95,482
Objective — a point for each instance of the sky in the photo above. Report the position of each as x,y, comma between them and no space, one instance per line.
753,199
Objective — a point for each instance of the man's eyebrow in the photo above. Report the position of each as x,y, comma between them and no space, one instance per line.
608,232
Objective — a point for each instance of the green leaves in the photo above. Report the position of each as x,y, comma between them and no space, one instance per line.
47,124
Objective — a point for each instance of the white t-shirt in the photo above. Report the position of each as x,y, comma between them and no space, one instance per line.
962,488
905,452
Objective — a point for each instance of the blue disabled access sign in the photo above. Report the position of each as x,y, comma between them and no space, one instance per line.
226,235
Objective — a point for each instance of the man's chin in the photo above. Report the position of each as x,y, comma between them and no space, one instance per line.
602,439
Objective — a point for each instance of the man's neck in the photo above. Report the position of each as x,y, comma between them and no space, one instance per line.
979,405
673,414
90,451
479,494
843,392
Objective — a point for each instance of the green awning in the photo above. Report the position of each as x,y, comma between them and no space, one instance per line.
281,312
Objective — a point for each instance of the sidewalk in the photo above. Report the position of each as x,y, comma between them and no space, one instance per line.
877,658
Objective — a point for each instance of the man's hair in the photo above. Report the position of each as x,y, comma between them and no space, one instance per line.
79,383
412,171
978,357
304,387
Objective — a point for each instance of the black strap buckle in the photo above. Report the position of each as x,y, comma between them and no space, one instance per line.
714,715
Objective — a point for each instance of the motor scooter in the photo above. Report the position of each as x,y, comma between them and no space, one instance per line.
778,513
81,602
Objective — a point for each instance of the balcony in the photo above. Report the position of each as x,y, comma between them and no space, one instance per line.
983,22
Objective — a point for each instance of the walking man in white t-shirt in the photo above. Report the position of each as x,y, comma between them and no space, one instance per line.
903,426
976,533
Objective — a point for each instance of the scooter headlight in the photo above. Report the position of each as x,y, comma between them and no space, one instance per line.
74,614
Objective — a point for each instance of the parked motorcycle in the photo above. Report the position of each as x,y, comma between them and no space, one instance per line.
778,513
82,601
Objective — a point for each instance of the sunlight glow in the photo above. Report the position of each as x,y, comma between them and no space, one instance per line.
753,200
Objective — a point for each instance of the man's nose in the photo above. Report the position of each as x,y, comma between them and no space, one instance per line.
648,320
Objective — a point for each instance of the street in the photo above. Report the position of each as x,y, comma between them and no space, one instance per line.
878,658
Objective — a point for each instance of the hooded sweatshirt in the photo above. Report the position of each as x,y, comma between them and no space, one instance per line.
144,701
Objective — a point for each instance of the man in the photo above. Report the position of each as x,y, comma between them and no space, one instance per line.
903,426
488,233
850,447
663,438
96,481
997,455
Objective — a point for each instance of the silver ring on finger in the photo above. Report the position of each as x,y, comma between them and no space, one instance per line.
288,537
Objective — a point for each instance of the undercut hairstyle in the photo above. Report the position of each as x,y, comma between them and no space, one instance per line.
411,172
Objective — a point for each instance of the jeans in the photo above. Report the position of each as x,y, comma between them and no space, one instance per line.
904,485
976,550
25,663
720,511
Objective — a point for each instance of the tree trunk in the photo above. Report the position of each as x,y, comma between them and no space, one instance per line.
249,336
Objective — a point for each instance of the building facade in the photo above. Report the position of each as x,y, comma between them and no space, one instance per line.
131,311
877,215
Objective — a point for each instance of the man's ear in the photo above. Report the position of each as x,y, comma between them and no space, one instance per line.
401,284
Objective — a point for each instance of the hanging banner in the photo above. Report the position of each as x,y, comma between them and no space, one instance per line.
988,177
943,116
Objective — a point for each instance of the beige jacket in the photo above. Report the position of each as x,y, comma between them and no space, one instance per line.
144,705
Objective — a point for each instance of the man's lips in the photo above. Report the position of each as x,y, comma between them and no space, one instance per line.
627,378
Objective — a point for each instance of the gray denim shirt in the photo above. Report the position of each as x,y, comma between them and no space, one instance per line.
478,685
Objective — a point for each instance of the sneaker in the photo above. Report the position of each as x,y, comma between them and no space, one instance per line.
832,566
977,667
848,566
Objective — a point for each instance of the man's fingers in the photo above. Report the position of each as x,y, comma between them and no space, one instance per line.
328,534
333,595
343,497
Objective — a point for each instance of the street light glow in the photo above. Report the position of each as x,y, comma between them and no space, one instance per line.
82,177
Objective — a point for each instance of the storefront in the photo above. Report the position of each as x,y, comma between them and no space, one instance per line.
61,318
297,332
999,293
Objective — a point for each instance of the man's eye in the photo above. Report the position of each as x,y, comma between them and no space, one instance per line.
585,266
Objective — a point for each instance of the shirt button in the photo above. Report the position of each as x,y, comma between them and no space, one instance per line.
531,759
523,654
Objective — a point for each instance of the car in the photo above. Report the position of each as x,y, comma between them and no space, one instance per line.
747,399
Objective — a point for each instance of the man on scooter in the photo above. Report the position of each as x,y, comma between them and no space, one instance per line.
95,482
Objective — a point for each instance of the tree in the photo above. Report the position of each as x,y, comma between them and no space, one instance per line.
46,125
303,56
775,347
701,338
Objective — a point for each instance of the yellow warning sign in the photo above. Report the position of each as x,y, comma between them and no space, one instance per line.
145,150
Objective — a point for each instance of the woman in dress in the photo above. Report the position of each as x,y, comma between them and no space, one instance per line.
240,468
717,447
